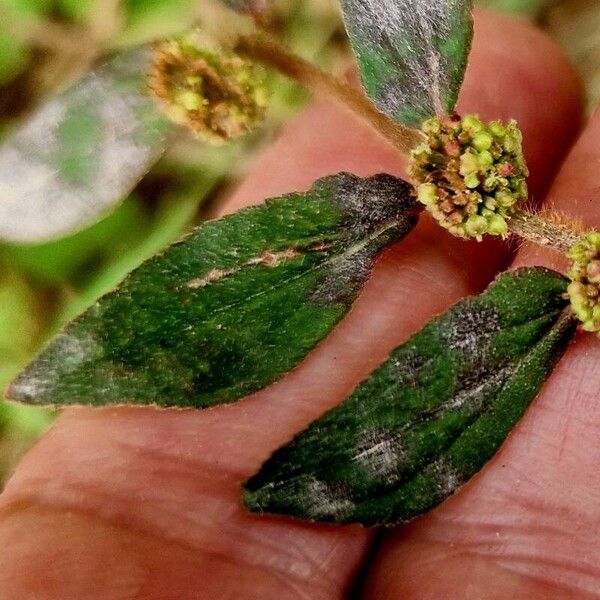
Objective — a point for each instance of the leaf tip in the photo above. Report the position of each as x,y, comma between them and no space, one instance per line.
24,390
251,500
38,383
305,497
261,497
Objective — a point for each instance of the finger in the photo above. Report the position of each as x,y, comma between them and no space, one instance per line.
530,521
150,500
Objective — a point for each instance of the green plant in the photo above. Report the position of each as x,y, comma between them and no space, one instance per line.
242,300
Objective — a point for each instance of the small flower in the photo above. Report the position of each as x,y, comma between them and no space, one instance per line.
584,289
218,95
470,175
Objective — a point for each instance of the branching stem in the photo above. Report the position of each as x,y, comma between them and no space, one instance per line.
529,226
271,53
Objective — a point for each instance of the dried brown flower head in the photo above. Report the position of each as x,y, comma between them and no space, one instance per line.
218,95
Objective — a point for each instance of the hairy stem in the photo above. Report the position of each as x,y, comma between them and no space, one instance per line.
271,53
532,227
543,232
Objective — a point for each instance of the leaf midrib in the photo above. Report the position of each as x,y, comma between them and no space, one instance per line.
335,257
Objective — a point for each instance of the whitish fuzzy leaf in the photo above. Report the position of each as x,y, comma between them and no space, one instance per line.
81,153
430,417
231,308
412,54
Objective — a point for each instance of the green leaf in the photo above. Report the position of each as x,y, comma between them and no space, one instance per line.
81,153
231,308
412,54
430,417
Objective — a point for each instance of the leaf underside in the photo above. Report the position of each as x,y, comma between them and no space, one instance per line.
81,153
430,417
412,54
231,308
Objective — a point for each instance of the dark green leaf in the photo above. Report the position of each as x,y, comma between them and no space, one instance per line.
81,153
172,217
430,417
412,54
231,308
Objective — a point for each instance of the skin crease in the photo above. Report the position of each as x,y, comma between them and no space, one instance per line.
131,503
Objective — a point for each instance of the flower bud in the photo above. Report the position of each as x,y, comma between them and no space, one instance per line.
584,290
470,175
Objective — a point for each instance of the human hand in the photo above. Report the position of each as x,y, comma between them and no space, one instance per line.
134,503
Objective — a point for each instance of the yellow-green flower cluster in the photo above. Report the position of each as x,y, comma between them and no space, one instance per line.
470,174
216,94
584,290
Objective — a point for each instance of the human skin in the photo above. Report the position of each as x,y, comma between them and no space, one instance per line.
136,503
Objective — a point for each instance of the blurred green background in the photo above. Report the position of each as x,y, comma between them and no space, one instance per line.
45,44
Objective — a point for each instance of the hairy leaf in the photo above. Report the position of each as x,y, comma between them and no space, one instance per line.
231,308
430,417
412,54
81,153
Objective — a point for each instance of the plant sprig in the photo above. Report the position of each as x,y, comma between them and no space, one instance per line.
540,228
242,300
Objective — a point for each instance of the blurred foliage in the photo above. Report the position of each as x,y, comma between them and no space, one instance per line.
529,8
45,44
147,19
21,322
68,258
575,24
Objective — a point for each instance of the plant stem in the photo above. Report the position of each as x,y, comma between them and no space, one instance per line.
273,54
543,232
535,228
